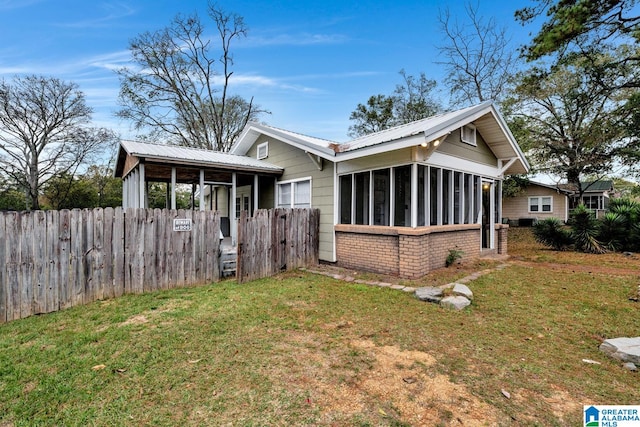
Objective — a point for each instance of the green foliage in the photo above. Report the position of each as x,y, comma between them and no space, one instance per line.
618,230
11,198
157,196
513,185
410,101
585,231
65,191
626,233
454,255
552,232
612,233
544,107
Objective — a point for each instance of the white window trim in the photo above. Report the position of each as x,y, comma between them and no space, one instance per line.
264,145
293,181
539,204
475,136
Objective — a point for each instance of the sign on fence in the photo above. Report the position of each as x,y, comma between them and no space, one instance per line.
182,224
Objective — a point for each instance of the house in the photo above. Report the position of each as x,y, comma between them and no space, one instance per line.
536,201
595,195
394,202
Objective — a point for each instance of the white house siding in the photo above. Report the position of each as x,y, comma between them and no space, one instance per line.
297,164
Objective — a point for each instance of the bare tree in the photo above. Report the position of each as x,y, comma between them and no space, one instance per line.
477,57
44,131
177,91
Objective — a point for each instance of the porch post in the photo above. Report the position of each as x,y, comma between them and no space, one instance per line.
232,211
173,188
414,195
201,204
255,192
492,214
125,192
141,187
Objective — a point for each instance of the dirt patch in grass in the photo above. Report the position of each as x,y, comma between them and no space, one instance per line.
383,382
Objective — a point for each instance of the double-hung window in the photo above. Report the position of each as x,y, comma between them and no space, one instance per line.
294,194
540,204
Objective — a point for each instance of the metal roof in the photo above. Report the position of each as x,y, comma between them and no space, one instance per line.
253,130
484,116
193,157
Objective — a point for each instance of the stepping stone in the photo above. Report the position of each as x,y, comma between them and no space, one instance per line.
462,290
429,294
455,302
624,349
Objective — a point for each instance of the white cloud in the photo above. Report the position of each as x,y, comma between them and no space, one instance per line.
113,11
301,39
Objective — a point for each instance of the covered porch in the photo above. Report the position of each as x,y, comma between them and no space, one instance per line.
219,181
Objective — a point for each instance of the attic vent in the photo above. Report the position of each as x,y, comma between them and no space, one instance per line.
263,150
468,134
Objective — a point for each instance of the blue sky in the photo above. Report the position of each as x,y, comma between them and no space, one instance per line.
309,63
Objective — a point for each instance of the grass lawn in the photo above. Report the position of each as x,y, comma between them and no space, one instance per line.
305,349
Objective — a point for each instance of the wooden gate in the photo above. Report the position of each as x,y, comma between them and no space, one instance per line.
276,240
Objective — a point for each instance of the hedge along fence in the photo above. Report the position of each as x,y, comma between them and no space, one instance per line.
57,259
276,240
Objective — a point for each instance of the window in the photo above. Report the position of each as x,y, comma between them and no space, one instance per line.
263,150
468,134
402,193
294,194
345,199
381,197
540,204
362,197
434,186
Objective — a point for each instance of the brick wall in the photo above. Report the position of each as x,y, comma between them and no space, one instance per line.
374,251
405,252
502,231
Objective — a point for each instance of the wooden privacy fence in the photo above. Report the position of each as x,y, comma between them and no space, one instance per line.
276,240
58,259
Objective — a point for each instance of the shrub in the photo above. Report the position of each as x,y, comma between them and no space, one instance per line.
585,230
628,229
552,232
454,255
612,231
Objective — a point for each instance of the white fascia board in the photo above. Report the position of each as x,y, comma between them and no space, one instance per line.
512,140
380,148
463,165
248,140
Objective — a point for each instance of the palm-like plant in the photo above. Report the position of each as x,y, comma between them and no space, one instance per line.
585,230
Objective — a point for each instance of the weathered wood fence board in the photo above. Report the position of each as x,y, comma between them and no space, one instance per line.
57,259
276,240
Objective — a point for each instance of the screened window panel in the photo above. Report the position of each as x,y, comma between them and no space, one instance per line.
362,185
345,199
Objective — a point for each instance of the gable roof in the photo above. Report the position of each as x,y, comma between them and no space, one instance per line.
189,157
555,187
596,186
484,116
253,130
590,187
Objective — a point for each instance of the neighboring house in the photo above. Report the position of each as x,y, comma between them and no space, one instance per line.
536,201
393,202
595,196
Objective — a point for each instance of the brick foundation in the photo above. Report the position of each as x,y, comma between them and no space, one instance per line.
406,252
